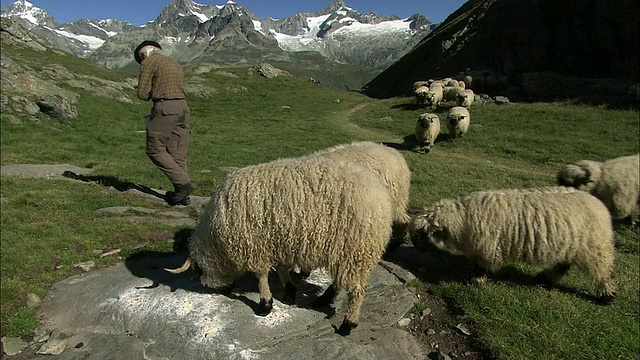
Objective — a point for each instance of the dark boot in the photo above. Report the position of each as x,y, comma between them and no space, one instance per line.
186,201
181,193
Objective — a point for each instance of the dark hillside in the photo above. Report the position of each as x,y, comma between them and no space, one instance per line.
585,39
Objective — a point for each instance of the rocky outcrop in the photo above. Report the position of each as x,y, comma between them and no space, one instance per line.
592,39
36,95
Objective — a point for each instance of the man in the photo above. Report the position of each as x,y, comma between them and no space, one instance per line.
161,81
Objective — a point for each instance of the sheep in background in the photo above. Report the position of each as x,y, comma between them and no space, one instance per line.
462,84
311,211
450,93
554,227
452,82
465,98
615,182
458,121
421,95
427,130
434,95
419,83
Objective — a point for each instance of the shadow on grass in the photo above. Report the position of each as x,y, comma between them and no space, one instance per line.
433,266
112,181
151,265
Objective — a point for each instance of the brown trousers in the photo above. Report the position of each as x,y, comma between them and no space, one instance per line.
168,137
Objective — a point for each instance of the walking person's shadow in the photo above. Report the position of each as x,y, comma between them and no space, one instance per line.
114,182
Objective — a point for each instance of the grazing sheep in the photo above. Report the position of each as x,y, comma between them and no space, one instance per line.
468,81
312,211
392,168
436,85
452,82
465,98
427,130
554,227
434,95
419,83
462,84
450,93
458,120
615,182
421,95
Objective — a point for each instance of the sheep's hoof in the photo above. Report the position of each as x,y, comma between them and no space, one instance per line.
264,307
606,299
289,294
346,327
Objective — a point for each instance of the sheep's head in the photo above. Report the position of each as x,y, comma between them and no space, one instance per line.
216,277
462,96
582,175
427,119
430,228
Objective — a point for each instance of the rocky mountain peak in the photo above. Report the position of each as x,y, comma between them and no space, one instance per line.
335,5
30,14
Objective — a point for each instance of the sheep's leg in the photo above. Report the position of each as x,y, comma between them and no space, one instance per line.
350,321
479,272
552,276
289,288
327,297
266,299
600,270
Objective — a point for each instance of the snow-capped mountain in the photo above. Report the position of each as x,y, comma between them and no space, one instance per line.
80,37
33,15
191,31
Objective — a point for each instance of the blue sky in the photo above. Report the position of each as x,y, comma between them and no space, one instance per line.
139,12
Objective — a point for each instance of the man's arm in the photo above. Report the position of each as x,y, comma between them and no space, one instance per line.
144,82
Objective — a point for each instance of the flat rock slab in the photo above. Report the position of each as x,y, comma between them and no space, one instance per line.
136,310
45,171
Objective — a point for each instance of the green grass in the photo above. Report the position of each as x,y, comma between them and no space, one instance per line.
47,225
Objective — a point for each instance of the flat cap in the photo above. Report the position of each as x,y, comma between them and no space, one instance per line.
136,52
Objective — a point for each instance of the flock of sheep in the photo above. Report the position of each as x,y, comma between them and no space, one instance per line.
432,93
339,208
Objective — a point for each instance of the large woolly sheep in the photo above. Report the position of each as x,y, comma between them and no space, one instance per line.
465,98
555,227
427,130
390,166
311,211
421,95
458,121
615,182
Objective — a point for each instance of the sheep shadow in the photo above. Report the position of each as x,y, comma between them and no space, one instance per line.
433,266
151,264
114,182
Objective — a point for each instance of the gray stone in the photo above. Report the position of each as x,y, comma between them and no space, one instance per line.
431,332
33,300
41,171
13,345
500,100
40,335
85,266
138,308
404,322
463,329
12,119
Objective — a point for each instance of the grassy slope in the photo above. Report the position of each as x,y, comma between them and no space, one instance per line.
507,146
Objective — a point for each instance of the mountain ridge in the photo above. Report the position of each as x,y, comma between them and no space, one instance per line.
183,27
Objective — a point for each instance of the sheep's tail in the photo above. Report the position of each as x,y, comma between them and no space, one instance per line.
181,269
